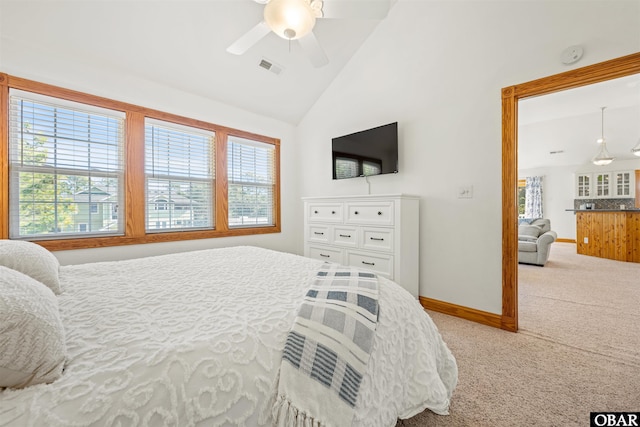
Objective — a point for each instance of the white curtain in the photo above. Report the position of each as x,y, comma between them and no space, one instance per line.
533,197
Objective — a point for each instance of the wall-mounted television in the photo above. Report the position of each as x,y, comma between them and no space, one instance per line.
368,152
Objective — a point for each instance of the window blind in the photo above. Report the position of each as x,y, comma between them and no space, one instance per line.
371,168
66,168
251,175
179,177
346,168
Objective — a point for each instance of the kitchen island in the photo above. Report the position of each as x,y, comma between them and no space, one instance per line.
608,233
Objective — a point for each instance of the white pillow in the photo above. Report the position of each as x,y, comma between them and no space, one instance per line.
32,260
32,345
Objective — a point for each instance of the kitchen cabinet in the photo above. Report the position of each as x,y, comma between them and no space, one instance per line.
623,184
583,186
603,185
609,234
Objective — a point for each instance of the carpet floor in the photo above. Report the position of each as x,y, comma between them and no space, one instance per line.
577,350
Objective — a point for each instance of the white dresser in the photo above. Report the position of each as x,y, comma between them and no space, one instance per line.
379,233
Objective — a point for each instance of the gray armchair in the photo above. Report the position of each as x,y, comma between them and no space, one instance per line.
534,241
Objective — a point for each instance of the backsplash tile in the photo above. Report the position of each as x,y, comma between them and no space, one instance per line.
605,203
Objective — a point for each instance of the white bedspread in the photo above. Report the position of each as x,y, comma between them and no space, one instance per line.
195,339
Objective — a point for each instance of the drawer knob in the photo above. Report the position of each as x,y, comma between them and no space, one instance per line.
356,212
345,235
333,212
379,213
368,263
377,238
318,233
326,256
315,212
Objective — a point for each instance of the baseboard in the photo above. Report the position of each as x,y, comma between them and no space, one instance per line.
478,316
566,240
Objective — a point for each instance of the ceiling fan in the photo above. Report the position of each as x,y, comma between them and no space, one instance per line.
295,19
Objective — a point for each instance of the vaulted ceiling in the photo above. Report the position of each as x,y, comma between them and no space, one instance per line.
561,129
182,44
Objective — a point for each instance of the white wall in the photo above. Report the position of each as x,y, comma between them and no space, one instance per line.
55,68
437,68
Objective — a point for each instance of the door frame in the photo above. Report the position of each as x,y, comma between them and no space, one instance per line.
615,68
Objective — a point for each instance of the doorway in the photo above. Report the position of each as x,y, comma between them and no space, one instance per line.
596,73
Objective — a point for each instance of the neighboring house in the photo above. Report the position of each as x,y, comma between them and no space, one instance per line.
96,210
164,211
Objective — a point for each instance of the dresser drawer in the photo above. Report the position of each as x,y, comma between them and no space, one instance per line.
374,213
373,232
324,212
378,263
319,233
380,239
325,254
345,236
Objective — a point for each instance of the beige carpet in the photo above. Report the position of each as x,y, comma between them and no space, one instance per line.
578,349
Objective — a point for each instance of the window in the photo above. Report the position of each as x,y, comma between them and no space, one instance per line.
179,176
522,197
350,166
68,157
371,168
66,166
346,167
251,182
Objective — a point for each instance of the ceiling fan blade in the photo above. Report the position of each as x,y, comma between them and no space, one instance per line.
355,9
314,51
250,38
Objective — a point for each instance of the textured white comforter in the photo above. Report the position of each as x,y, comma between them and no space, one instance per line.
195,339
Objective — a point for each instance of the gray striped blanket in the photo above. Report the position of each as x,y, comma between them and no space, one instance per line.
327,349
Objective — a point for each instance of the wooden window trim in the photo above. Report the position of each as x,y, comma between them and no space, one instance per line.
134,185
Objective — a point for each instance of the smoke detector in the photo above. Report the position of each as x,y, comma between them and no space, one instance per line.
572,54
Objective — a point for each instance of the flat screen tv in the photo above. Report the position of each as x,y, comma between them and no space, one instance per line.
368,152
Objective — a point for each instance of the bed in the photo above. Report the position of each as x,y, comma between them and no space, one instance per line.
196,338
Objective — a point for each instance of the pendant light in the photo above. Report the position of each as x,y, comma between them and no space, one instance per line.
603,157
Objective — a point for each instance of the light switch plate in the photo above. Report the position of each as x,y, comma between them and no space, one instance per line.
465,192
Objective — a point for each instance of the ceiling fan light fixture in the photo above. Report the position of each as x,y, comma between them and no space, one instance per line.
603,157
636,150
290,19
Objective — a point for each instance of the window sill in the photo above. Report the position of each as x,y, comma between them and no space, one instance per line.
101,242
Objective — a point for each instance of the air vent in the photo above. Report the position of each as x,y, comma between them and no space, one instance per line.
270,66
